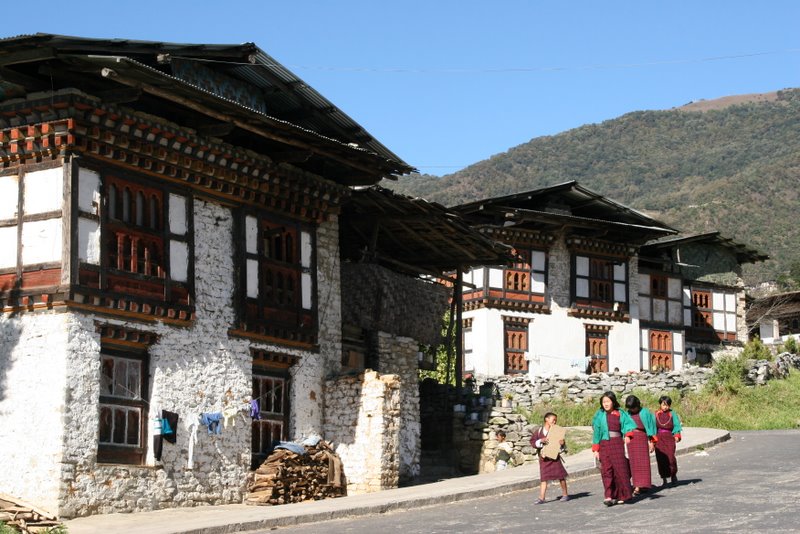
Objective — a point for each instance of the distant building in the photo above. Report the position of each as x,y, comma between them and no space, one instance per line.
775,318
598,287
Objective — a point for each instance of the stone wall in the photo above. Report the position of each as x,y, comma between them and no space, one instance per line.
398,356
367,437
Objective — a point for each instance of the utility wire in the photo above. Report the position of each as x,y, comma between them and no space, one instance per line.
500,70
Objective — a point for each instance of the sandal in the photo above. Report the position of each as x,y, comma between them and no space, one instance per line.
539,501
609,502
636,492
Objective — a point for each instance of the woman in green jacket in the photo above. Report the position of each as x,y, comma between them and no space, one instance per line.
609,425
641,443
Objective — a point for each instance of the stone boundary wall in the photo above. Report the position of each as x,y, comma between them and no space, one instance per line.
480,435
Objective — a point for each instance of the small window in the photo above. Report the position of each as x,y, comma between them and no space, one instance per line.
121,437
271,393
597,351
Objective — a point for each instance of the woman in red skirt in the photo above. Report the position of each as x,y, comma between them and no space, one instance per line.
549,468
641,443
668,426
609,424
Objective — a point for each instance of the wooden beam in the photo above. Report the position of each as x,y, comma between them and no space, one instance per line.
122,95
244,124
215,129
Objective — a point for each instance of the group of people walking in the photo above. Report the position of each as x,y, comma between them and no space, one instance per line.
643,432
636,428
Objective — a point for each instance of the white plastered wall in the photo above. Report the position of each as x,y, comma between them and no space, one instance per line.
33,350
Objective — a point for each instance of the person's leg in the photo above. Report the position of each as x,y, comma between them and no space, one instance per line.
542,489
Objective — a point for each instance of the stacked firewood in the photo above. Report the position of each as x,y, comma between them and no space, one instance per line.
24,516
286,477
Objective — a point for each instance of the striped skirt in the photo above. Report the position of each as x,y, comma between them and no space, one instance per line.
665,455
639,458
614,470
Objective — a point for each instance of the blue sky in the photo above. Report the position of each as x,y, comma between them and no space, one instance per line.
448,83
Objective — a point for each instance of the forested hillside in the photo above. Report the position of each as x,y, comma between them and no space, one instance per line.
733,167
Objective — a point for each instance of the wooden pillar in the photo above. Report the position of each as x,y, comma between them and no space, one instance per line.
457,295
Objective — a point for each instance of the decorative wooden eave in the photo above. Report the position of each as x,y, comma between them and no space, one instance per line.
268,358
597,246
597,313
35,130
125,336
518,236
505,304
511,321
597,328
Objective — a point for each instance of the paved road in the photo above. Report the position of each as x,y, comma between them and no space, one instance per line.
749,484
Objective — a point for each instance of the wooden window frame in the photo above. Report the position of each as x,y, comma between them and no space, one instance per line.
269,418
665,355
515,332
601,288
663,285
282,317
118,277
518,278
701,310
597,336
109,452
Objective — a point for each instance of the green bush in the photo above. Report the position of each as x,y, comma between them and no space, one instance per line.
729,374
756,350
790,345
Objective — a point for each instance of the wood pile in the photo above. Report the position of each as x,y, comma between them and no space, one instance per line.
286,477
24,516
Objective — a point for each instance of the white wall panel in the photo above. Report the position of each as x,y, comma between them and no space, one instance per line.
619,272
252,278
674,286
620,292
251,234
718,300
730,322
8,247
496,278
675,313
89,240
538,285
538,260
178,261
177,214
581,266
88,191
477,277
305,249
730,302
719,321
9,197
41,241
307,286
660,310
582,288
44,191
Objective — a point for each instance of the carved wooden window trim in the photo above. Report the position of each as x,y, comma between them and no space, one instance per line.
599,283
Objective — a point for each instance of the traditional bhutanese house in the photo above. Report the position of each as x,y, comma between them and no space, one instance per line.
394,297
571,303
775,318
691,298
169,221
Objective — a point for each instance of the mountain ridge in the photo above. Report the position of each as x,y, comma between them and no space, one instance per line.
730,164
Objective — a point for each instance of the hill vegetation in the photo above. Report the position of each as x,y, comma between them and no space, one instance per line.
731,165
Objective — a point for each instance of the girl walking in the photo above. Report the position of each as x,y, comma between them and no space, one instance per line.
609,424
668,426
641,443
549,468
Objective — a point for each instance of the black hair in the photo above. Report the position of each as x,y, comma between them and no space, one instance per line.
548,414
665,398
614,402
500,433
633,404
